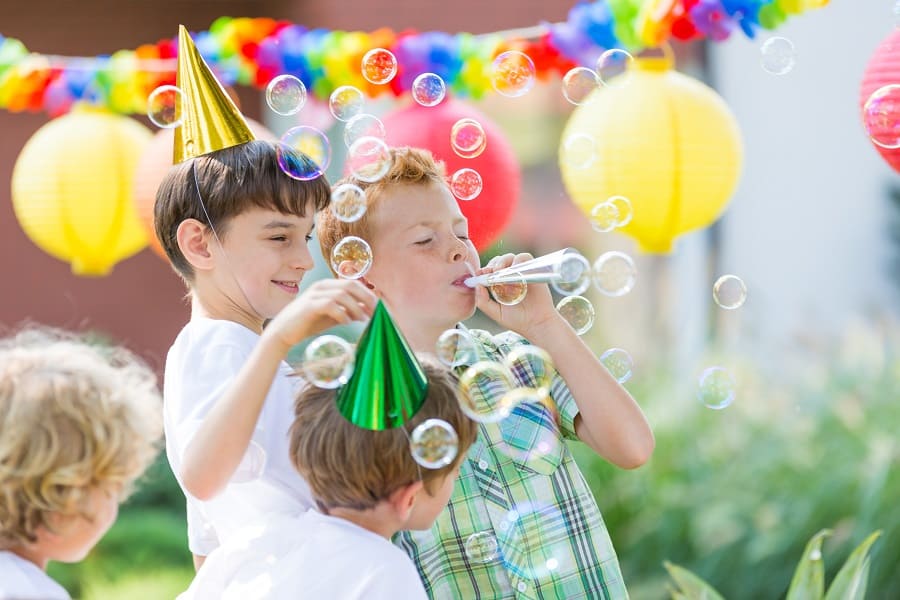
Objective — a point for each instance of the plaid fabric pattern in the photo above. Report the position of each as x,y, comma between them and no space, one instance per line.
541,535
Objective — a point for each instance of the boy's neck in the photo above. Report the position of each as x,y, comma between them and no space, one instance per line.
379,520
37,557
205,305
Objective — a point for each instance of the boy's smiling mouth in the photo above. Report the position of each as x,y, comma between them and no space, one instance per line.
291,287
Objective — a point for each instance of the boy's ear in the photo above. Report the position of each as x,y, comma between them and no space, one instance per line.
193,242
403,498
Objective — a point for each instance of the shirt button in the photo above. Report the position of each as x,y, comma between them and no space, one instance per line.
522,587
482,464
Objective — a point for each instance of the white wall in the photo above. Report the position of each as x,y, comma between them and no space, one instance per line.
807,229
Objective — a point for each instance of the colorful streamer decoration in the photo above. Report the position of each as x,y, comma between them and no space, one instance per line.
252,51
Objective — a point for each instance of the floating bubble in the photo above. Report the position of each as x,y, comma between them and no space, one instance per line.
348,202
363,125
351,257
379,66
534,540
327,362
164,106
509,293
604,217
286,95
619,364
428,89
881,116
467,138
576,286
346,102
531,366
579,84
483,391
614,273
369,159
434,443
304,153
612,65
717,388
456,347
578,312
252,466
623,208
481,547
512,74
466,184
579,150
729,292
778,56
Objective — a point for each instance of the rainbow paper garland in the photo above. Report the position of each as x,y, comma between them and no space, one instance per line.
252,51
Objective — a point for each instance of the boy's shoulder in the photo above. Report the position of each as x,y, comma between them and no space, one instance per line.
22,579
210,333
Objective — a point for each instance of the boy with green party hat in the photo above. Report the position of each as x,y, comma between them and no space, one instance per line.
380,454
522,522
235,227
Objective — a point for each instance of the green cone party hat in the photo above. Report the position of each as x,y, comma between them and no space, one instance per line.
388,385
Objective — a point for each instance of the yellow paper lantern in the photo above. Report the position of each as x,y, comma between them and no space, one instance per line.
665,141
72,189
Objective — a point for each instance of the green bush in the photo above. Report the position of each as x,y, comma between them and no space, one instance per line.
732,494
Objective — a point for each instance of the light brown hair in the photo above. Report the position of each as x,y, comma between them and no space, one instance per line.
230,182
74,418
410,166
350,467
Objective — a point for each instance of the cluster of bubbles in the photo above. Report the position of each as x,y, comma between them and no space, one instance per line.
612,213
490,390
581,85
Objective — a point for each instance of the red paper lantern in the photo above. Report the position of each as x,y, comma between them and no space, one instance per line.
153,165
883,69
429,128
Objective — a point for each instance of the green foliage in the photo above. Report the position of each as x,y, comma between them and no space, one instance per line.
732,494
808,582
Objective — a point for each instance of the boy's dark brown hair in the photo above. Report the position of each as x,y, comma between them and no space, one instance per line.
231,181
410,166
350,467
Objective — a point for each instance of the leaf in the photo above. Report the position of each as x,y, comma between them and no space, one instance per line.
691,587
809,578
850,582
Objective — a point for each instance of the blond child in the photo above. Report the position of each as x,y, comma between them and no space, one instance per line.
534,507
78,424
367,487
235,227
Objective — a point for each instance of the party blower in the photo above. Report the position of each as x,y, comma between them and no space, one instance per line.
566,266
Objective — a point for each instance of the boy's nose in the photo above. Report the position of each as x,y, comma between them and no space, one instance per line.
458,251
303,260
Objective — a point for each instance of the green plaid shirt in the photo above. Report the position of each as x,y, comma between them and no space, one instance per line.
540,533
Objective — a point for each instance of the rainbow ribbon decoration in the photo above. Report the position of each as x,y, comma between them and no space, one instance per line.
251,51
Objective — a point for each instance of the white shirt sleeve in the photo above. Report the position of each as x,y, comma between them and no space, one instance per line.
397,579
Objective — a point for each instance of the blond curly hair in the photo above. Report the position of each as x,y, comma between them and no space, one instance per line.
74,418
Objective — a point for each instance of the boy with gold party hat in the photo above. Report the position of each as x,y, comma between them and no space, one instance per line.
235,227
380,454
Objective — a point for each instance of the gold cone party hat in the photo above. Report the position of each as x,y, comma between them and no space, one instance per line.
209,118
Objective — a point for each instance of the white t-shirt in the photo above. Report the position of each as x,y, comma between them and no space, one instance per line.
309,556
205,358
21,579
